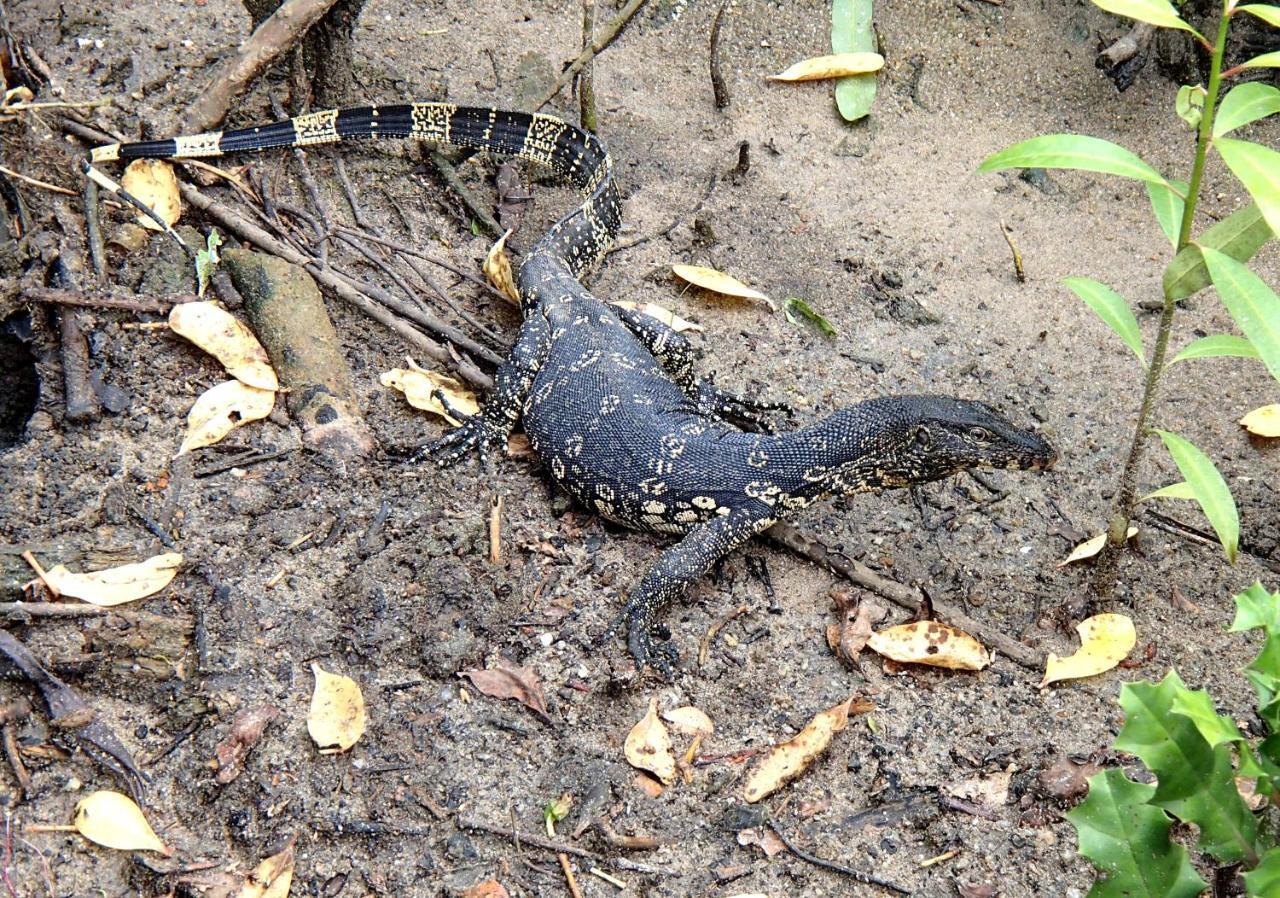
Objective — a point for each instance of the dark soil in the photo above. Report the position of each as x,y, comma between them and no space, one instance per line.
882,226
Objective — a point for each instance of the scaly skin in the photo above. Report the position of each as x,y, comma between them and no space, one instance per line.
610,398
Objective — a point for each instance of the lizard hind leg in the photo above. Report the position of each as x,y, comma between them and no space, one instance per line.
675,571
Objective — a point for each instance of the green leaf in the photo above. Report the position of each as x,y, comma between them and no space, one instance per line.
1265,61
1197,706
1112,308
1258,169
851,33
1179,490
1168,206
1128,841
1246,103
1154,12
1189,104
1196,780
1263,881
1217,346
1255,607
1210,490
207,260
1267,13
1251,303
1072,151
1239,235
805,311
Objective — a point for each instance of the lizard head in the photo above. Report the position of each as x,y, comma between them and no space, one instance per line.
906,440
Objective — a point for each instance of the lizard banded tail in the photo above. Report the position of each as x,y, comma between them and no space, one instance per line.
579,239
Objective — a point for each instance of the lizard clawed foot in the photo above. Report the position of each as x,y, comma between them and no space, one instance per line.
476,432
646,650
740,409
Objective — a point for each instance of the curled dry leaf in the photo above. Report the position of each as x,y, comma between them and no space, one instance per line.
223,336
490,888
1092,546
272,878
337,717
420,385
837,65
930,642
116,585
661,313
689,721
763,838
648,746
246,730
1105,641
1263,422
785,762
857,620
153,182
719,282
497,268
221,409
114,821
507,680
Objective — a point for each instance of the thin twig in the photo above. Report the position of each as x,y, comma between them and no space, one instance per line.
434,260
557,846
93,230
568,875
19,610
356,212
719,89
856,875
605,38
586,84
704,650
96,300
43,185
454,182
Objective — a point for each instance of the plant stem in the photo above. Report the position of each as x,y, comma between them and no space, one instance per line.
1122,511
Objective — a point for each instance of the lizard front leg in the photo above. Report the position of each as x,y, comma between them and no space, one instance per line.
490,427
675,570
675,354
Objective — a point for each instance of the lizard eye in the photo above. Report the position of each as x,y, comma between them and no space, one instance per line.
981,434
922,438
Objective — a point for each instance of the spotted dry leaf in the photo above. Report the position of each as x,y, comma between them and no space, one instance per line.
932,643
507,680
222,335
1105,641
648,746
1263,422
420,385
337,717
116,585
153,182
786,761
221,409
836,65
497,268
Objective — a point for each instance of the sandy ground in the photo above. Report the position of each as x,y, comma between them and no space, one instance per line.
872,224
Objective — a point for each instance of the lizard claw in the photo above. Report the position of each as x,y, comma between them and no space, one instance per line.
751,412
647,651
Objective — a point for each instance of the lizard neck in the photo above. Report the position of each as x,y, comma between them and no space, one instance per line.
855,449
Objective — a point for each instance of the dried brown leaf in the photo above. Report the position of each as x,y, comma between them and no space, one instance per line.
114,821
497,268
116,585
337,717
153,182
1105,641
221,409
689,721
932,643
836,65
273,876
490,888
1263,422
1092,546
246,730
507,680
719,282
648,746
420,385
788,760
222,335
764,838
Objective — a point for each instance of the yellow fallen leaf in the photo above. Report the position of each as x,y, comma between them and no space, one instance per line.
272,877
718,282
114,821
221,409
930,642
153,182
497,268
223,336
116,585
1092,546
648,746
1105,641
835,66
788,760
337,718
419,386
1265,421
665,315
689,721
